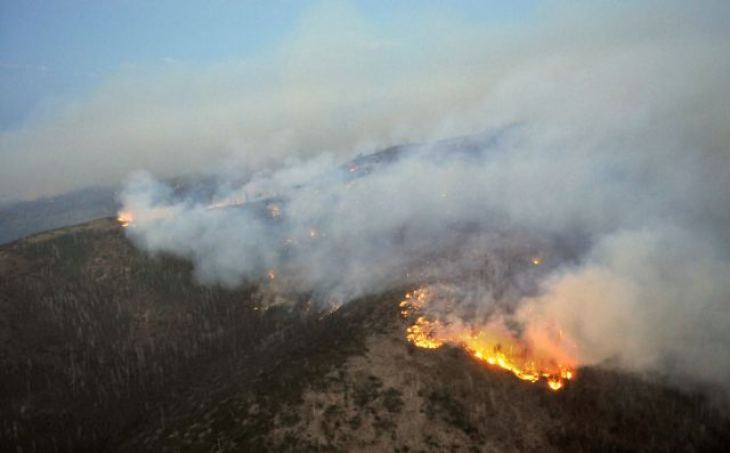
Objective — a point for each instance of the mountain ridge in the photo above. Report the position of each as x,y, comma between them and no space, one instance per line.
107,349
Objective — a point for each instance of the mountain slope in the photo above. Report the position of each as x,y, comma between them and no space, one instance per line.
106,349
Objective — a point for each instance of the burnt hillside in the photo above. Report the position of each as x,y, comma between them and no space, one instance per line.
106,349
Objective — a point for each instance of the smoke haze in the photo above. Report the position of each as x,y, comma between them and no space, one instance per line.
598,139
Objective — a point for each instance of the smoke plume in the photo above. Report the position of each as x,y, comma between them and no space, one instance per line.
598,143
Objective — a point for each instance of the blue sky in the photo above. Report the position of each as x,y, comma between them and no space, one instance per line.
51,51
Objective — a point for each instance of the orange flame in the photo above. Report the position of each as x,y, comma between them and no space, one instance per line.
534,356
125,218
420,334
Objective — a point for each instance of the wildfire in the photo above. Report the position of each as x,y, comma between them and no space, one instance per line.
233,200
128,218
413,301
420,334
491,343
125,218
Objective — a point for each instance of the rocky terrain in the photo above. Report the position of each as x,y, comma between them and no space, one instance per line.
103,348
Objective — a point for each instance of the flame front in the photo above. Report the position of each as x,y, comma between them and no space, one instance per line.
491,343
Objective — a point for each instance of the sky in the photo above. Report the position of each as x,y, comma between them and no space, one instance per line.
50,51
91,92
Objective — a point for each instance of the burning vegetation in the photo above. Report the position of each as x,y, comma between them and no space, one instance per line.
125,218
538,354
98,351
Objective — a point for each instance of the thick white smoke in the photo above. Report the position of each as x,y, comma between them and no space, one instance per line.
609,157
650,299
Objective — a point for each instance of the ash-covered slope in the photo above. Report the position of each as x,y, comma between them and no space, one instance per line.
105,349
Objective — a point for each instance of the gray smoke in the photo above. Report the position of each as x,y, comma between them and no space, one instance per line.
609,157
